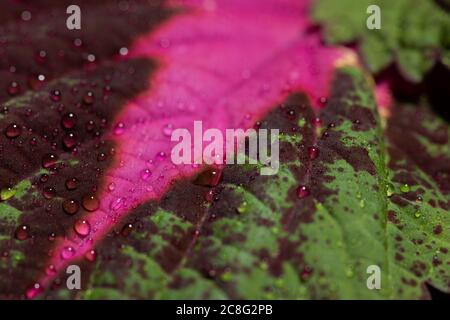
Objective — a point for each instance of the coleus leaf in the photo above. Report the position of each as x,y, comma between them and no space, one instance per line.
114,156
351,192
413,34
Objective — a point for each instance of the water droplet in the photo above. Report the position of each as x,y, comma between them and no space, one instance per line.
82,227
145,174
417,214
13,131
34,291
51,237
69,120
49,192
50,270
89,98
208,178
404,188
126,230
49,160
119,129
91,255
7,193
22,232
167,130
67,253
302,192
13,88
55,95
91,203
390,189
161,156
242,207
70,206
111,186
313,152
70,140
317,122
72,183
362,203
323,101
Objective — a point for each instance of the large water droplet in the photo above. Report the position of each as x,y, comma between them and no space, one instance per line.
91,255
89,98
119,129
49,192
82,227
22,232
13,88
67,252
13,131
70,140
70,206
91,203
69,120
49,160
55,95
72,183
313,152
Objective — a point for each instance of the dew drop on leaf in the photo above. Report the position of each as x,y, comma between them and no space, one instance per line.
49,160
119,129
49,192
91,255
55,95
82,227
22,232
13,88
70,206
13,131
126,230
69,120
313,152
404,188
72,183
302,192
88,98
91,203
70,140
67,252
34,291
145,174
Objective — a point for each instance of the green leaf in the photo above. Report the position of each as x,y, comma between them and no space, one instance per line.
378,194
414,33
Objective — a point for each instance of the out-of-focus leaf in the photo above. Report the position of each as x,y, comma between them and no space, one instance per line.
414,34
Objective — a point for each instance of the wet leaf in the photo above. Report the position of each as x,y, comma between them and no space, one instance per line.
263,237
